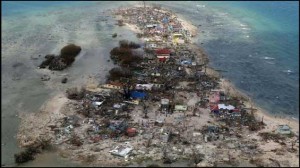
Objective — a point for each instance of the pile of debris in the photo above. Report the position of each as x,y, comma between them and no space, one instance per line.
271,136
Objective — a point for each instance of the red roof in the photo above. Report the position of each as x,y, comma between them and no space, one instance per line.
131,130
162,59
163,51
214,107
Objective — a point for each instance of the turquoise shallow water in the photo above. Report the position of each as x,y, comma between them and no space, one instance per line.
10,8
255,42
258,43
273,53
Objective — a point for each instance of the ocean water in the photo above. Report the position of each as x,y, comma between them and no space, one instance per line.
267,65
256,43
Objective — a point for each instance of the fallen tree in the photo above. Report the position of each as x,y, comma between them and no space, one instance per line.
29,152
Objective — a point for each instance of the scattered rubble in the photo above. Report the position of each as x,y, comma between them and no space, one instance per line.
158,104
64,80
45,78
114,35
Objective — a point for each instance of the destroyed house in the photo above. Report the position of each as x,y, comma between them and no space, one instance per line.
157,86
155,44
225,107
159,29
180,108
122,150
178,38
164,51
113,85
214,108
165,20
97,104
71,120
151,25
212,129
214,97
177,28
163,54
165,104
143,86
217,108
131,132
284,129
222,96
117,125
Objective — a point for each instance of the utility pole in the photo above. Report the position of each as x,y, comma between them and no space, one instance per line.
144,4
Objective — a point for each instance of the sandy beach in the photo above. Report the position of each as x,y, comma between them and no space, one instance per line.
92,65
25,42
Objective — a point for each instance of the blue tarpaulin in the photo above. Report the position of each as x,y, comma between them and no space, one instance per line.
186,62
137,95
165,20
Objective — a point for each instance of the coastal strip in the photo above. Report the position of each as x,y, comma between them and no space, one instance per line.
163,105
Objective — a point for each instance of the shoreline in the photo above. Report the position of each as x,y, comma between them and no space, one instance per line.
57,103
233,89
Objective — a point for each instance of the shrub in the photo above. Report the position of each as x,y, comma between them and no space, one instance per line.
118,72
134,45
28,154
65,59
49,59
119,53
131,59
75,94
120,23
75,140
127,44
124,44
68,53
70,50
23,157
139,35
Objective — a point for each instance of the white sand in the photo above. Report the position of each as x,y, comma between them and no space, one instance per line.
85,36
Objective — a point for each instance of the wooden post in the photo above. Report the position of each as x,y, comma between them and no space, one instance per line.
229,157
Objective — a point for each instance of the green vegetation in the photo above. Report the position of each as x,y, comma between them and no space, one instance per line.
117,73
64,60
30,151
124,54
